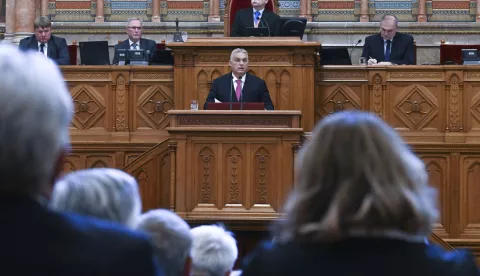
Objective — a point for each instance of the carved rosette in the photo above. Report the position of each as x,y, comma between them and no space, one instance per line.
234,157
153,105
206,158
456,88
416,107
120,124
89,106
342,98
262,157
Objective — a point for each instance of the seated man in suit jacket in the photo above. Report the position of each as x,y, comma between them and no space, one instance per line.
239,86
389,46
36,240
257,16
135,40
44,42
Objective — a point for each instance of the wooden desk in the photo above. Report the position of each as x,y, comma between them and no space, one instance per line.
121,120
285,63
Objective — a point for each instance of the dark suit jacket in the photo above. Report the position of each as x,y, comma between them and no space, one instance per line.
359,257
244,19
402,48
57,48
37,241
145,44
254,90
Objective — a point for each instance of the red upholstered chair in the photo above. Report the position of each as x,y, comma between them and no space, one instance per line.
72,51
161,46
232,6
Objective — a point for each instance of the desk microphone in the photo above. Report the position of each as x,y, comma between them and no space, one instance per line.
231,91
351,51
261,19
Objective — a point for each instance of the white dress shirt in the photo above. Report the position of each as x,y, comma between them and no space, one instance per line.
260,16
131,43
234,79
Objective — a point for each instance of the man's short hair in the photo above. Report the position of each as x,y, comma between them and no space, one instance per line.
104,193
134,19
42,22
214,250
237,51
171,236
35,114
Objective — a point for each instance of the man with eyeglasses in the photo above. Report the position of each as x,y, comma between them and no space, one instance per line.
45,43
135,40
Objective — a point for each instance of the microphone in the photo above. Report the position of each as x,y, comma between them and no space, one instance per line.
231,91
261,19
241,98
358,42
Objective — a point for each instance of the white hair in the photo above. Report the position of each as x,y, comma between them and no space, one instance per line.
35,114
238,51
134,19
171,236
104,193
214,250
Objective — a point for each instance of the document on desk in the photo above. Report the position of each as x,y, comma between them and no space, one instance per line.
217,101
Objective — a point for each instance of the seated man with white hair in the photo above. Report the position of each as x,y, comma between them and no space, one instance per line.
172,239
214,251
36,110
104,193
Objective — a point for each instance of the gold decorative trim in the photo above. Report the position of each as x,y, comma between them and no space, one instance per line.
153,76
82,30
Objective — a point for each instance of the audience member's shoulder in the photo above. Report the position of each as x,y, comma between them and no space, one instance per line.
460,261
97,228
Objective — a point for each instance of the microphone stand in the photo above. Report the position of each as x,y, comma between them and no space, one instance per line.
241,98
351,51
261,19
231,91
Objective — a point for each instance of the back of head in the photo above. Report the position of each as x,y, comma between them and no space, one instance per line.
104,193
35,112
171,237
214,251
356,175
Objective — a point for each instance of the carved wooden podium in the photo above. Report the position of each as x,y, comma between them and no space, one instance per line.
233,165
285,63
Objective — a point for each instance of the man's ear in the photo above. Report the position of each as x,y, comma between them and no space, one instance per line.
187,266
56,173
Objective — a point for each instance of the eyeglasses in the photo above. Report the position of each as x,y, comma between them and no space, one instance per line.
135,28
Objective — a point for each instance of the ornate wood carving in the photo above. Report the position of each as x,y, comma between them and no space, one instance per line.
376,88
229,120
262,157
89,106
234,159
120,124
456,89
207,161
154,104
416,106
342,98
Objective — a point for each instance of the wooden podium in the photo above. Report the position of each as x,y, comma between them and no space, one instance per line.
233,165
287,64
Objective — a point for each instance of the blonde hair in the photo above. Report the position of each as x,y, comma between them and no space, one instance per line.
354,174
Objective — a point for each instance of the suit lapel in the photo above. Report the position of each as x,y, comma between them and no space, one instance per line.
229,87
395,45
249,18
51,48
380,44
143,43
34,44
247,86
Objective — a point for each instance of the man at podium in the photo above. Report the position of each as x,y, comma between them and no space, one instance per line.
239,86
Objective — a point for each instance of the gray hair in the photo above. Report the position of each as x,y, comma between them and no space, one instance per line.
36,110
356,177
104,193
134,19
237,51
171,236
214,250
390,17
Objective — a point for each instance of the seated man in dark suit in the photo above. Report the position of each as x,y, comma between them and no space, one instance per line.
389,46
36,110
239,86
257,16
44,42
135,40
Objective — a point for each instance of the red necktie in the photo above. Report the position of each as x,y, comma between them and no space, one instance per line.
238,90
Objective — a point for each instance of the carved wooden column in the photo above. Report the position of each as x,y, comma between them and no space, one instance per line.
364,11
304,9
9,21
44,8
24,17
156,11
422,17
100,16
478,11
214,11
